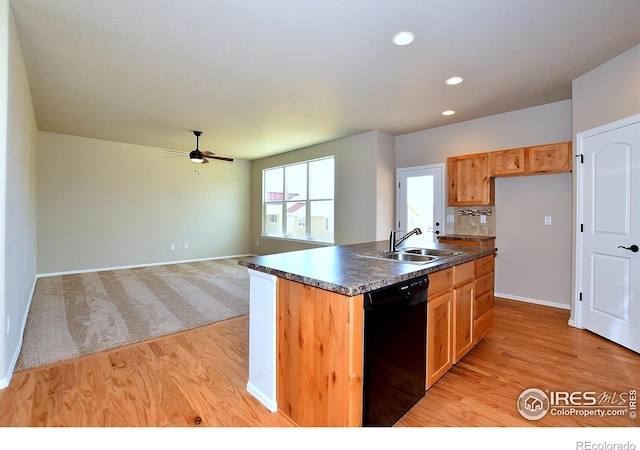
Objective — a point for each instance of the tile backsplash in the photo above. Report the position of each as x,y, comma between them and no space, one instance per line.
468,220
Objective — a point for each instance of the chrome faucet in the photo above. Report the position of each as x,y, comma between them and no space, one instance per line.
392,238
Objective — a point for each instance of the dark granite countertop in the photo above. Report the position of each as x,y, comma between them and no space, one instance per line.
339,268
467,237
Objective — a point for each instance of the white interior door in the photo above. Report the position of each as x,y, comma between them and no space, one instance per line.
609,199
420,203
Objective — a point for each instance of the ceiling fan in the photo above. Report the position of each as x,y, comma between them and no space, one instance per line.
196,156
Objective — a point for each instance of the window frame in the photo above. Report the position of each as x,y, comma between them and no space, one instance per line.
285,232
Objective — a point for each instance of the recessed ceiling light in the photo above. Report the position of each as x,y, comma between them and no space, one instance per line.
453,81
448,113
404,38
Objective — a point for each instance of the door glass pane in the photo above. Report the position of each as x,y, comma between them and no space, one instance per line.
420,208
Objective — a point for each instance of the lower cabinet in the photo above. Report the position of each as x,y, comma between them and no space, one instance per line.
483,301
439,336
463,289
457,317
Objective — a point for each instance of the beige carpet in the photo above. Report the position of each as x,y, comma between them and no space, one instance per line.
76,315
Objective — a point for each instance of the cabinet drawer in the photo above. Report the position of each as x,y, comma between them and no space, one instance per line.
440,281
484,284
463,272
482,326
484,265
482,304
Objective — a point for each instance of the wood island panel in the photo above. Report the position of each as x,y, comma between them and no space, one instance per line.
319,355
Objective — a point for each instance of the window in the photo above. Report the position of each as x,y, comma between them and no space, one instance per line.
297,200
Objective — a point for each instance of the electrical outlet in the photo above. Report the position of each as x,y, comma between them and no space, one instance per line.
186,246
8,324
547,220
173,246
483,218
450,218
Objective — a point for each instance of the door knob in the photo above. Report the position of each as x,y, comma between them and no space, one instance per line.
633,248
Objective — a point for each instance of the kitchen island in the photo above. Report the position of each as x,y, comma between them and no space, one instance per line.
306,324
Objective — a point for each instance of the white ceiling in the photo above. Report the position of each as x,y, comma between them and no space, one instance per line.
260,77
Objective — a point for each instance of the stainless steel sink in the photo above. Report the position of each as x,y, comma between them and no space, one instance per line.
412,255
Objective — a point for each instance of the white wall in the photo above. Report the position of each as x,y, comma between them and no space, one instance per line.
105,204
518,270
364,202
18,192
606,94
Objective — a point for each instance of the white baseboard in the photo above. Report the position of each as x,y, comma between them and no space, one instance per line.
4,381
135,266
270,403
532,300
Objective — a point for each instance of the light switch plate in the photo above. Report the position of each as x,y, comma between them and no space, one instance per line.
450,218
547,220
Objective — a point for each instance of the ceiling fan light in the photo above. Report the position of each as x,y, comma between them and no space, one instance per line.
196,157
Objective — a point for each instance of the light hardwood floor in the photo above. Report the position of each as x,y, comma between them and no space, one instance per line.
198,378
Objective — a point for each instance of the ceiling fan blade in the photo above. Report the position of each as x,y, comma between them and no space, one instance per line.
213,156
221,158
205,161
175,152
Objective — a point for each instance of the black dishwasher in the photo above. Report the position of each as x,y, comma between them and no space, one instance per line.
395,339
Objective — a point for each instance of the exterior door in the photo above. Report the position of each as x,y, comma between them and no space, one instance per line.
609,199
420,203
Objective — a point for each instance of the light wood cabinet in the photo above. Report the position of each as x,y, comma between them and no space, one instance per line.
471,178
535,160
439,325
483,298
551,158
452,327
439,336
469,183
507,162
463,288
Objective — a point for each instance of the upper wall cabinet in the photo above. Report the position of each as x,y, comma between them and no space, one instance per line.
549,158
469,183
536,160
507,162
471,177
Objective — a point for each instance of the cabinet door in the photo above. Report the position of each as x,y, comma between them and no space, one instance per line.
439,337
507,162
549,158
469,183
462,320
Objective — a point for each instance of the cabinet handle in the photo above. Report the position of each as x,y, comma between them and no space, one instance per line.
633,248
